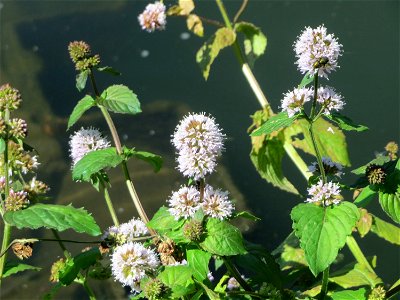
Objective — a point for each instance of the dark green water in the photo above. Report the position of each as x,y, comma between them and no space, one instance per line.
368,79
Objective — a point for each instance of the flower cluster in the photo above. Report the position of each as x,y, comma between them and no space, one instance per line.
324,193
80,54
84,141
126,232
10,98
317,51
199,142
153,17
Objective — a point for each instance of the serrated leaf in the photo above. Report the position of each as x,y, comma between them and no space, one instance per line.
109,70
307,79
83,105
267,160
345,123
385,230
206,55
360,294
2,145
365,197
94,162
255,41
153,159
222,238
163,221
198,260
275,123
120,99
15,267
364,224
58,217
80,262
332,145
195,25
356,276
179,279
81,80
390,203
323,231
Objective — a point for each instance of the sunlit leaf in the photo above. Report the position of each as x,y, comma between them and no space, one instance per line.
163,220
81,80
2,145
323,231
178,279
198,260
15,267
365,197
109,70
356,276
186,6
151,158
275,123
83,105
390,203
345,123
360,294
195,25
364,224
58,217
385,230
120,99
307,79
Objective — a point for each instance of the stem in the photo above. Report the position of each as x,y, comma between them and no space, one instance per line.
88,290
235,273
240,11
358,254
324,287
4,247
393,290
109,202
58,239
317,153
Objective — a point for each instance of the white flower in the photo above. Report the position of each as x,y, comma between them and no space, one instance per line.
126,232
293,101
196,165
330,167
84,141
315,48
324,193
153,17
216,203
184,202
131,262
328,97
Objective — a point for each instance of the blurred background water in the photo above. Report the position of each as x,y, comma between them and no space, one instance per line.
161,70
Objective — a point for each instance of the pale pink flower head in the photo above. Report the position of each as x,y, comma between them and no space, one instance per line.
329,99
153,17
216,203
293,101
324,193
184,202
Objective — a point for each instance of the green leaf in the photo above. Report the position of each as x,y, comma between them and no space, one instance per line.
179,279
360,294
198,260
153,159
222,238
332,145
364,223
81,79
345,123
206,55
275,123
380,161
83,105
2,145
365,197
120,99
94,162
307,79
58,217
109,70
357,275
323,231
163,221
255,41
15,267
390,203
246,215
210,293
385,230
80,262
268,162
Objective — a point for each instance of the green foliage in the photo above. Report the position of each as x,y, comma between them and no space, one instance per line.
345,123
81,80
94,162
80,262
153,159
275,123
14,267
323,231
206,55
380,161
364,223
120,99
385,230
390,203
307,79
246,215
58,217
255,41
83,105
360,294
178,279
222,238
330,145
198,261
109,70
163,221
365,197
2,145
355,275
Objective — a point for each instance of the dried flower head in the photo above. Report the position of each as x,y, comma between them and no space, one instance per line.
293,101
84,141
216,203
18,128
184,202
153,17
330,167
131,262
392,148
329,99
22,250
375,174
10,98
324,193
170,254
16,200
317,51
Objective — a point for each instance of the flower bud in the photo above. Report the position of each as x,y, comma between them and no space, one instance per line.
378,293
55,269
154,289
392,148
16,200
18,128
10,98
193,230
78,50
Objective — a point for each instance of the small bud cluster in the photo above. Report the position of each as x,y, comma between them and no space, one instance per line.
154,289
377,293
16,200
80,54
392,148
375,174
10,98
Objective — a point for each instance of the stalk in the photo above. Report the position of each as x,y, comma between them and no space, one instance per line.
324,287
235,273
109,203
